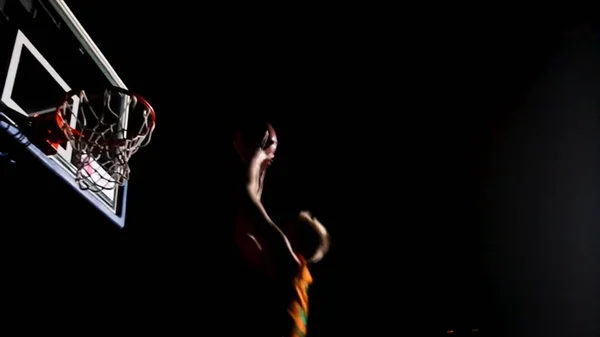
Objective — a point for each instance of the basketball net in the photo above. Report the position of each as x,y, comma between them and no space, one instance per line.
104,129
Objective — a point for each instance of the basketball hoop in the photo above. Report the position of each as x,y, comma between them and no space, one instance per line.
104,129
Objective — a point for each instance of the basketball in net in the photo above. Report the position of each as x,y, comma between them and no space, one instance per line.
104,128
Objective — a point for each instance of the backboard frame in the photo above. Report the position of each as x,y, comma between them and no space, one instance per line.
53,163
114,206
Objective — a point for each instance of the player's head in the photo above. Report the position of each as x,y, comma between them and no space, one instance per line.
252,137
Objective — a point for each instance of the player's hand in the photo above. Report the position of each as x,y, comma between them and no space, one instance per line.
308,236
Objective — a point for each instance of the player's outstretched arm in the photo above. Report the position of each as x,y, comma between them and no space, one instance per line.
276,252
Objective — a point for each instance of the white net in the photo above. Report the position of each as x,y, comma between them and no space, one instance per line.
105,128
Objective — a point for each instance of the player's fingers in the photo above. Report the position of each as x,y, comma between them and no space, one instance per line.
315,224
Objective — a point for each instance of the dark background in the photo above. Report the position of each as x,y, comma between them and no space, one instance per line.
453,161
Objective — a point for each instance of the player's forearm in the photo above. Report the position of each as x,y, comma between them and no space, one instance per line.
261,181
269,233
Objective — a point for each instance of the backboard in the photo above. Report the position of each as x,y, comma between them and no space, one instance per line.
44,53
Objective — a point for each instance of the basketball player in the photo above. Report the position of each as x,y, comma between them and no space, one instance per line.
276,255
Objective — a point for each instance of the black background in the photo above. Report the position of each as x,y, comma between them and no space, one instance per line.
453,160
